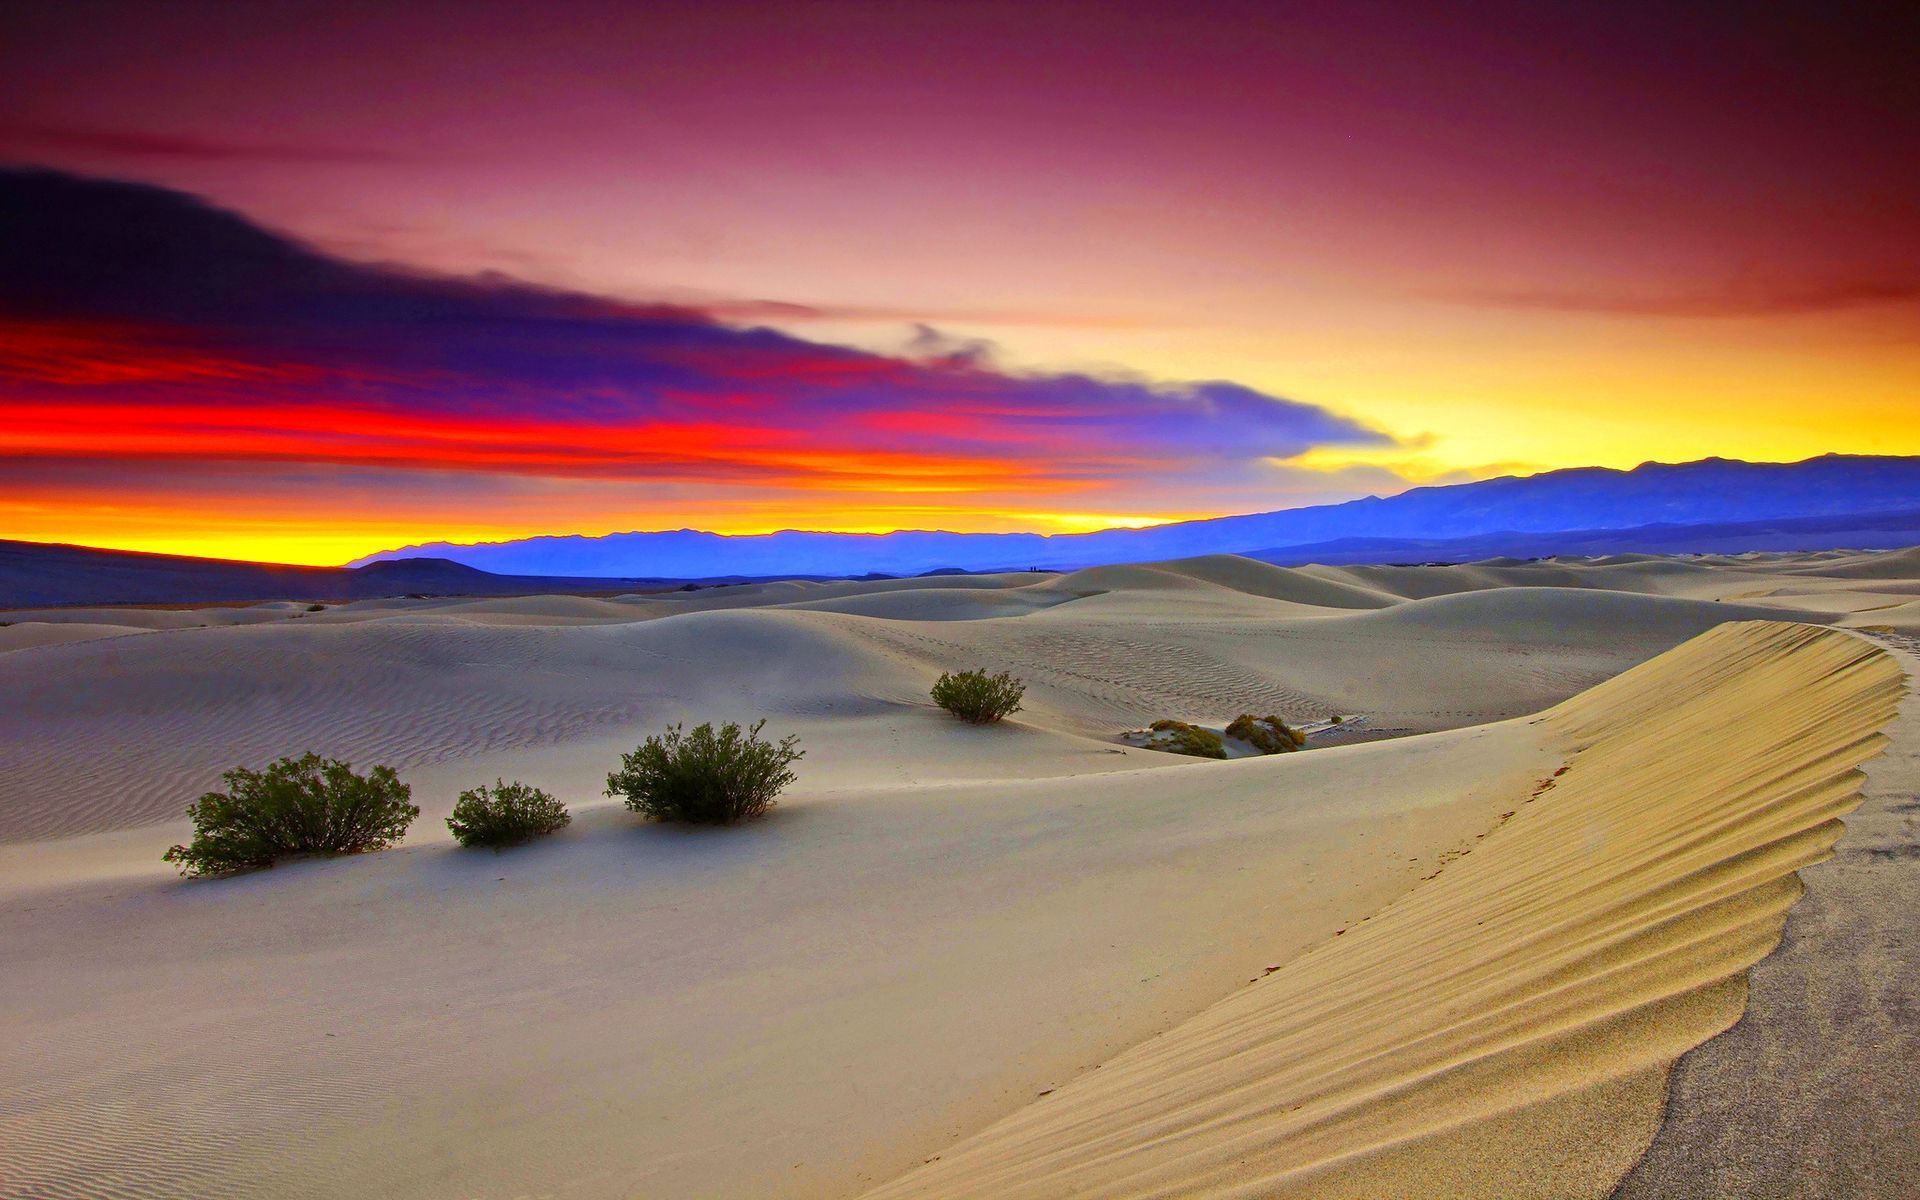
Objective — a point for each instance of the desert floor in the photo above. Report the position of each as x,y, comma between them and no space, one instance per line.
1580,817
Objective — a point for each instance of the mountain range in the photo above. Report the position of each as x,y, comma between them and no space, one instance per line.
1592,501
1712,506
41,574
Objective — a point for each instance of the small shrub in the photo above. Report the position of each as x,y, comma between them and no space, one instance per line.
1268,735
505,814
1178,737
316,608
305,805
705,777
978,697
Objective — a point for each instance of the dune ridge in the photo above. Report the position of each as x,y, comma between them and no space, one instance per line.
1814,1092
1472,1036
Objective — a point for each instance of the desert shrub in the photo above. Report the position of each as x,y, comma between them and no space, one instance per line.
316,608
978,697
1178,737
305,805
504,814
705,777
1268,735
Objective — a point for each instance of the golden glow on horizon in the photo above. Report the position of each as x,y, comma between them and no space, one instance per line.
1490,392
316,541
1090,522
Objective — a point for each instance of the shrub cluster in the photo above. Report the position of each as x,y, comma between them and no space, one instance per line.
978,697
311,805
1268,735
504,814
1178,737
705,777
305,805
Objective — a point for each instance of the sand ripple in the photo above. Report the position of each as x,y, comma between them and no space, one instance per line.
1473,1037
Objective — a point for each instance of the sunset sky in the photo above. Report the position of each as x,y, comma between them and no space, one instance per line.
304,281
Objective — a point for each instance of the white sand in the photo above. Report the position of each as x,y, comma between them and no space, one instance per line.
939,922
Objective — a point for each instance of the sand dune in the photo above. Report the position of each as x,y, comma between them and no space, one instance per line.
418,682
1477,1035
938,604
160,618
1573,617
1299,586
1900,619
859,978
104,737
1814,1092
411,682
28,635
1876,564
940,922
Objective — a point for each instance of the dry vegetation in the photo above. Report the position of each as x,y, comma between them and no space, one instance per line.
1178,737
1268,735
705,777
505,814
305,805
978,697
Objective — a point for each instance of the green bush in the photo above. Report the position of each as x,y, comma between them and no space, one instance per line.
704,777
505,814
1178,737
305,805
1268,735
978,697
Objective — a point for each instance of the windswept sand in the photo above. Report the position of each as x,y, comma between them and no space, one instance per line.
1816,1092
1502,1029
1469,982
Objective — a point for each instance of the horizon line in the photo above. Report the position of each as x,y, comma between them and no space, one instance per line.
374,556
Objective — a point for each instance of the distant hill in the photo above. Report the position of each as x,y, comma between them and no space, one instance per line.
35,574
1877,531
1712,506
1593,500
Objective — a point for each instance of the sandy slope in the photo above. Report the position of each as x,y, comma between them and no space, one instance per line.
27,635
1816,1092
857,980
940,922
1474,1036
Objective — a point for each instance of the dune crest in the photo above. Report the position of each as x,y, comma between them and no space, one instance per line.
1474,1036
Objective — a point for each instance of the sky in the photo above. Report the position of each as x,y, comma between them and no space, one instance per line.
307,281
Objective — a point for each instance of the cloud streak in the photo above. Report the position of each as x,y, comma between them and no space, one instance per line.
1741,298
788,311
146,144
